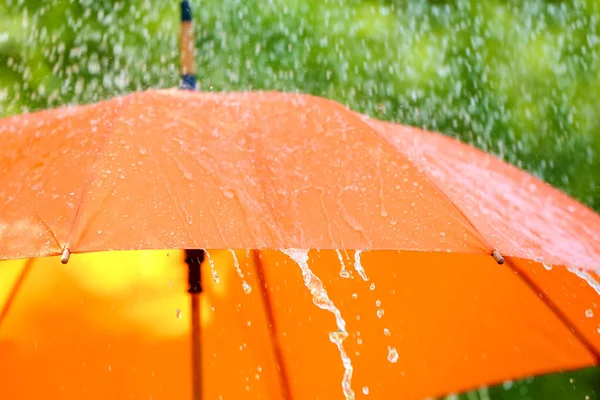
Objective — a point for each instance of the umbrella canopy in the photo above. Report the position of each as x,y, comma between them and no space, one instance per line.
181,170
114,325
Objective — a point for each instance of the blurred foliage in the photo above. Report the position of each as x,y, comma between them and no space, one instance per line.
520,79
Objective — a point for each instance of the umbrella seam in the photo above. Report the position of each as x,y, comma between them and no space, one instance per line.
15,290
275,345
93,170
533,286
429,178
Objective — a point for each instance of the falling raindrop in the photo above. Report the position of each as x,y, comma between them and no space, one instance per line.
321,300
392,354
358,266
247,288
213,270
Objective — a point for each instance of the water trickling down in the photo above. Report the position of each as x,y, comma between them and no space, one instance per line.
213,270
594,284
358,266
321,300
247,288
343,272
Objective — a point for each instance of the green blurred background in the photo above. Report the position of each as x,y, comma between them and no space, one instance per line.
520,79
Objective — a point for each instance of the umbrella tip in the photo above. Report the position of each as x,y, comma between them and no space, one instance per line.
65,256
498,257
186,11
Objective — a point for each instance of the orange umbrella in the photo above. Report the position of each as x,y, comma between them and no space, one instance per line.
183,170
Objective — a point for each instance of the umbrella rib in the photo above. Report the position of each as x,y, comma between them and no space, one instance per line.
275,344
555,310
14,290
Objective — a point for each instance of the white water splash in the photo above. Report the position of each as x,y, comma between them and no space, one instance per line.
358,266
213,270
586,276
343,272
321,300
236,263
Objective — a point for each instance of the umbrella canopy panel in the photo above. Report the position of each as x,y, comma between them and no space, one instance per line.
175,169
115,325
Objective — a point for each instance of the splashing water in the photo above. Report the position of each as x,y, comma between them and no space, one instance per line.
247,288
213,270
594,284
321,300
343,272
358,266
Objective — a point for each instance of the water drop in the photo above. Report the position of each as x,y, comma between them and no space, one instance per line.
589,313
178,313
365,390
372,287
354,296
228,194
392,355
386,332
380,313
378,303
547,265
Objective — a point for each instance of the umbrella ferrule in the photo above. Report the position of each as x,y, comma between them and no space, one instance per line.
498,257
66,255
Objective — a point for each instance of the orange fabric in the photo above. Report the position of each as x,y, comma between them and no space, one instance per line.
106,326
175,170
266,170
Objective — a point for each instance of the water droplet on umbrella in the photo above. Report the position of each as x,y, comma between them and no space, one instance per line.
365,390
354,296
386,332
213,270
380,313
392,354
358,266
589,313
372,287
378,303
